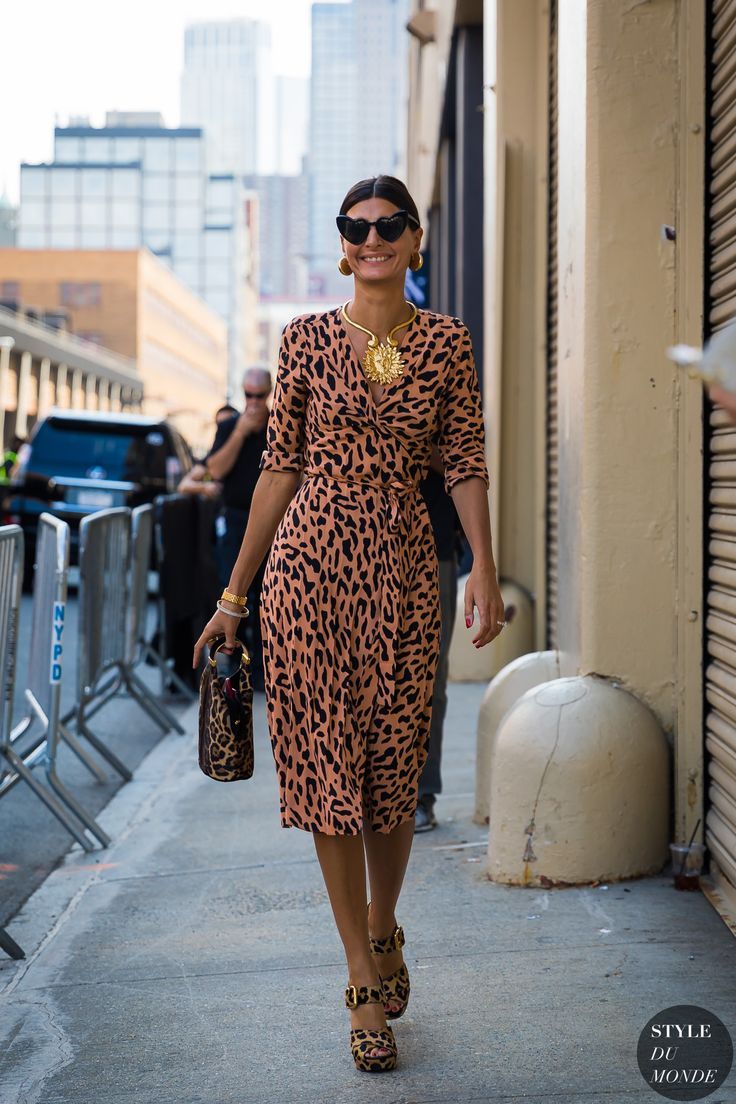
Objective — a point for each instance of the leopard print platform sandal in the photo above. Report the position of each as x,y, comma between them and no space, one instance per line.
396,986
364,1040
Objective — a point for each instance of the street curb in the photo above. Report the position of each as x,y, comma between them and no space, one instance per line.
56,900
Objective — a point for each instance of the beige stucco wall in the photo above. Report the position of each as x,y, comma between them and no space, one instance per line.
515,114
427,78
618,96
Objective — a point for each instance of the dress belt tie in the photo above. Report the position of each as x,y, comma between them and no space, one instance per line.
397,489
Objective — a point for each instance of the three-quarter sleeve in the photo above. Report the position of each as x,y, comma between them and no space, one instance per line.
461,440
286,420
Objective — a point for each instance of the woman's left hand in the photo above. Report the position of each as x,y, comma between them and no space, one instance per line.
482,590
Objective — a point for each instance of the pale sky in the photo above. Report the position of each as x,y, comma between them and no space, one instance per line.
84,57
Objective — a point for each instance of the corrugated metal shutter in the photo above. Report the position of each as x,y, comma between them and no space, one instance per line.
720,675
552,489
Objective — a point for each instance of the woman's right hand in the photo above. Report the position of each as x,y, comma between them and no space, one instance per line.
220,624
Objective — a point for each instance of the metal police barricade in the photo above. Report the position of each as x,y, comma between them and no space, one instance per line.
11,581
43,688
138,649
104,589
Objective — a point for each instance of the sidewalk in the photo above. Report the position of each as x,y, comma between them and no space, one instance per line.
196,961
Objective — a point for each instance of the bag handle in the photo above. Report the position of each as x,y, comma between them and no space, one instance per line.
212,657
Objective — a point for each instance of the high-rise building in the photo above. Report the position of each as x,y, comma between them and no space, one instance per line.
282,209
227,89
292,124
357,116
332,134
382,60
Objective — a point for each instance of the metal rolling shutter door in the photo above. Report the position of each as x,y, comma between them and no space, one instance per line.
720,674
552,488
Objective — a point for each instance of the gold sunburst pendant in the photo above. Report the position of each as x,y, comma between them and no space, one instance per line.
382,363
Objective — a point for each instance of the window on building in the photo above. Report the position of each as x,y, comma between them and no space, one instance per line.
126,213
94,182
126,183
63,182
62,237
126,149
188,154
157,188
92,238
68,149
32,181
157,154
33,213
80,294
9,289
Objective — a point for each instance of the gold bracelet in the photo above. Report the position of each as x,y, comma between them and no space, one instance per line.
236,599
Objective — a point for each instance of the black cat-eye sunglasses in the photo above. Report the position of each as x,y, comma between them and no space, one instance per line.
388,227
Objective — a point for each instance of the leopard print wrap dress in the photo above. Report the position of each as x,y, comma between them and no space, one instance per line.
350,613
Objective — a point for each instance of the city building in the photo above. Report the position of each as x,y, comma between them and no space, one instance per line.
357,115
283,244
119,187
292,124
41,367
136,183
228,91
596,214
128,302
232,267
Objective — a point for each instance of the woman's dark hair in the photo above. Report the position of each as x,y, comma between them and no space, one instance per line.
381,187
227,409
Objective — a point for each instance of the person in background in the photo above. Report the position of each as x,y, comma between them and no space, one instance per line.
10,458
233,461
444,519
198,480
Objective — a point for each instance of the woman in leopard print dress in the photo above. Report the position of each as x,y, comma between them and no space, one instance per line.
350,597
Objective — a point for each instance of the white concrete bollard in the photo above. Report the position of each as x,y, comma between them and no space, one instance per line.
503,691
470,664
579,787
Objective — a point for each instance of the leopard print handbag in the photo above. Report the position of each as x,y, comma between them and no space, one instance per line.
226,715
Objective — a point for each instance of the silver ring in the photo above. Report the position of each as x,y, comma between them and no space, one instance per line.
500,622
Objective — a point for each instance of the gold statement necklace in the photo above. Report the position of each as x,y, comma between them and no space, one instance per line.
382,363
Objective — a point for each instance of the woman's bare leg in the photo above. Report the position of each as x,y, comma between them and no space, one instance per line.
342,859
388,856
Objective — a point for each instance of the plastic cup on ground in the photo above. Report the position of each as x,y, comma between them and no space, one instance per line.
687,864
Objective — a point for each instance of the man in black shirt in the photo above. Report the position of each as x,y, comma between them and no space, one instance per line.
233,461
448,537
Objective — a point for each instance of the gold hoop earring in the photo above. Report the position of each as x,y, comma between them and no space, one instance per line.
415,265
343,266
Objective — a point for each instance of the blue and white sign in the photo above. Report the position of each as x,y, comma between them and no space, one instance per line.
56,641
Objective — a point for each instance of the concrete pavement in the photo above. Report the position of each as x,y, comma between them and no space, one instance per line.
196,962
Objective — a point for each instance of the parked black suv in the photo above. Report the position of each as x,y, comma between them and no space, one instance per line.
77,462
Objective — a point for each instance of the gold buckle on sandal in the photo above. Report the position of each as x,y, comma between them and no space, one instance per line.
397,938
351,996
